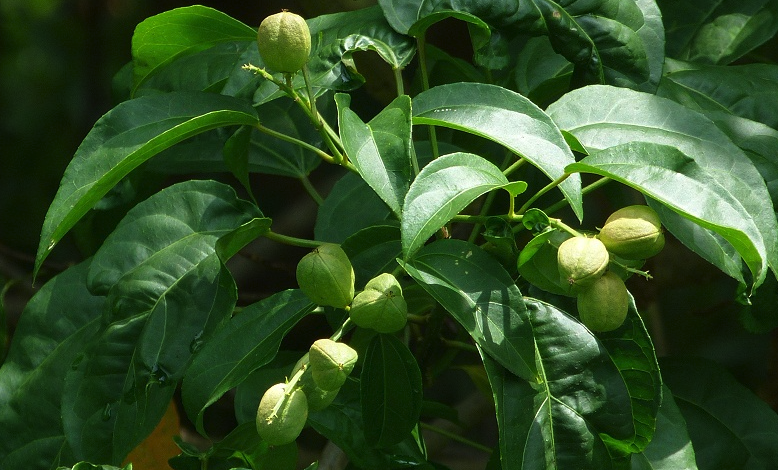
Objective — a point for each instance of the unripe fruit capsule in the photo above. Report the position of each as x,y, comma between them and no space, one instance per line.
284,42
326,276
603,306
281,416
380,306
582,261
331,363
633,232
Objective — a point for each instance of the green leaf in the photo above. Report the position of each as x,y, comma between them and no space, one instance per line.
441,190
89,466
609,41
749,91
504,117
541,74
247,342
163,38
372,251
50,336
161,298
382,149
717,32
671,448
582,408
391,391
120,141
666,175
730,427
477,291
350,207
602,117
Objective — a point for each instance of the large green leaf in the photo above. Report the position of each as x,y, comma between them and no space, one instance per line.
581,412
749,91
507,118
166,288
441,190
382,149
478,292
610,41
163,38
601,117
671,448
390,387
373,250
730,427
666,175
350,206
247,342
50,336
717,32
124,138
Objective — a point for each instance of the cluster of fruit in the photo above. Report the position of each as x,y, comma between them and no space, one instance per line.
632,233
327,278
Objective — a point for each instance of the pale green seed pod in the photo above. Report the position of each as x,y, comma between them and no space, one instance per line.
380,306
633,232
581,261
281,416
603,306
331,363
284,42
318,399
326,276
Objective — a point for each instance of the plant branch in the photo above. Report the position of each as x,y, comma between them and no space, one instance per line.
543,191
293,241
311,190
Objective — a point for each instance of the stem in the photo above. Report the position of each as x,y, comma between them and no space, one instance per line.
398,80
311,96
557,223
492,194
311,190
515,166
293,241
543,191
279,135
560,204
456,437
459,345
344,328
425,85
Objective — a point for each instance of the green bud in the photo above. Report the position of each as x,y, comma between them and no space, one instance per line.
603,305
581,261
633,232
281,415
380,306
331,363
284,42
325,275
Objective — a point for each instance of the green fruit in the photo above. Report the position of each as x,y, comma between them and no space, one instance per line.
318,399
603,306
284,42
325,275
331,363
380,306
633,232
581,261
281,416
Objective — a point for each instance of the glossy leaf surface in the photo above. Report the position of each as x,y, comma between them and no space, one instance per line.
504,117
441,190
124,138
477,291
602,117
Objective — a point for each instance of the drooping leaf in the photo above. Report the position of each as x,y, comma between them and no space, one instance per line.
507,118
602,117
609,41
749,91
166,287
381,149
730,427
391,392
124,138
350,207
167,36
668,176
441,190
671,448
581,410
49,338
248,341
477,291
717,32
